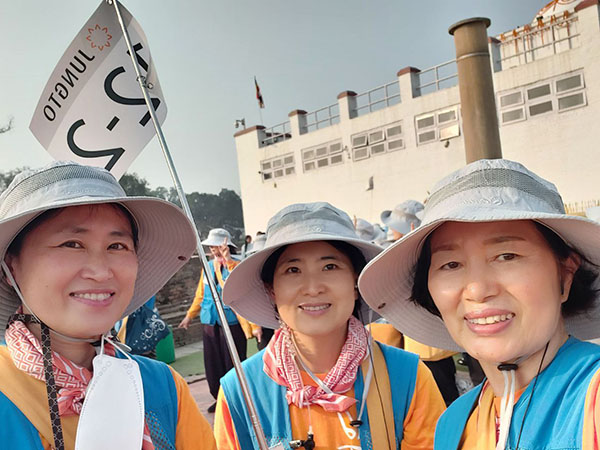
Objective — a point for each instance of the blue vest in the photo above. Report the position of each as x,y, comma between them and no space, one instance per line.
555,417
208,313
160,400
274,413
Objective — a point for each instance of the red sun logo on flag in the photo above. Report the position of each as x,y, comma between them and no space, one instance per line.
99,37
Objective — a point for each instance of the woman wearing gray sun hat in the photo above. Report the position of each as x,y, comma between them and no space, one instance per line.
320,381
498,269
77,255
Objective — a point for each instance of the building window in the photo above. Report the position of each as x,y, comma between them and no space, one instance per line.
281,166
437,126
377,141
558,94
323,155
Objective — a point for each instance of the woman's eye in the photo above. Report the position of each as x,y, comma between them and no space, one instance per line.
71,244
450,265
292,270
507,256
117,246
330,266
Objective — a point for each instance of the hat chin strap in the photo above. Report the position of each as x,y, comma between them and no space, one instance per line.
13,283
508,397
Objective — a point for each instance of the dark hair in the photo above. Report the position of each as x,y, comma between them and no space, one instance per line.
356,257
581,296
17,243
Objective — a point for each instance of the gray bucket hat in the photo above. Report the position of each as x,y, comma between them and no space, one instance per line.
404,216
166,237
483,191
217,236
245,291
370,232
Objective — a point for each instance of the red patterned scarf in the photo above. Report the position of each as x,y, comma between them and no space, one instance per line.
71,379
280,366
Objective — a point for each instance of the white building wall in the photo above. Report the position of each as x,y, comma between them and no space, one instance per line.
559,146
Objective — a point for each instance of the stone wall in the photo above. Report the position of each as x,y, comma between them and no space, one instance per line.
174,299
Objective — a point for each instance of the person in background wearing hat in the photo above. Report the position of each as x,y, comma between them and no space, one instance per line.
515,281
217,361
381,330
402,220
262,334
77,255
321,383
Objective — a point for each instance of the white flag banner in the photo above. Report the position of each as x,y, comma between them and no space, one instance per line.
92,110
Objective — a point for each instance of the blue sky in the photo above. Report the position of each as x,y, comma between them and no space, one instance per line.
206,53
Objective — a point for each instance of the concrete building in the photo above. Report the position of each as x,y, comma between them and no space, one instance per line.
369,151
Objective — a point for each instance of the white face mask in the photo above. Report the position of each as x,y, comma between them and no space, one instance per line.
112,415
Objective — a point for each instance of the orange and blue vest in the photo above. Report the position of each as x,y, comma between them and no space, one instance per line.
554,417
273,410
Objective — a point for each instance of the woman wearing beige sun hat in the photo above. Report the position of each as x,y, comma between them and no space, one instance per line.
321,382
498,269
77,255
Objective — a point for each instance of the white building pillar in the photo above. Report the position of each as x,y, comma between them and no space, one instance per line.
347,105
297,122
409,79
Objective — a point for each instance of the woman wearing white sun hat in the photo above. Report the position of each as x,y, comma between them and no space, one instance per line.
77,255
498,269
320,384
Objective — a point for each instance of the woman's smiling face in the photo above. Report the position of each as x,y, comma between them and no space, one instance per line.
498,286
77,269
314,289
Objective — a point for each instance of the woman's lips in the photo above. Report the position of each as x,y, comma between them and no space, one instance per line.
315,309
93,298
489,322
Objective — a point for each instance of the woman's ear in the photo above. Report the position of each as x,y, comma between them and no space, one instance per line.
270,292
568,267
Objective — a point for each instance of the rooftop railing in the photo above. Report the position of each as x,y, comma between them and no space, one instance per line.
531,42
323,117
438,77
378,98
277,133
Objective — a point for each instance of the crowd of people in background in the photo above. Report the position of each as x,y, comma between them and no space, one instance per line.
360,325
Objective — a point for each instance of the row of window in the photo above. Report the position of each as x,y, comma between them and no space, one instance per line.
558,94
438,125
277,167
377,141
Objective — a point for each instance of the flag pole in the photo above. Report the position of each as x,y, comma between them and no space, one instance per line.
260,436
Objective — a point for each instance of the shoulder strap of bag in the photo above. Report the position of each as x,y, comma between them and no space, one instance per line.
29,396
381,411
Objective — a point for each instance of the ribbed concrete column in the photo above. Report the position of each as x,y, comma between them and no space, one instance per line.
476,87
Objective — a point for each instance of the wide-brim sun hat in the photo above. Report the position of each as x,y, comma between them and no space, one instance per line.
404,216
245,291
217,237
166,238
483,191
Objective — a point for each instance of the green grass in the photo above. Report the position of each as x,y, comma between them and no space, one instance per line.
193,364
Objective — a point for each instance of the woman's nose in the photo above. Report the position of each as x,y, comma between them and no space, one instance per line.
97,266
480,284
313,286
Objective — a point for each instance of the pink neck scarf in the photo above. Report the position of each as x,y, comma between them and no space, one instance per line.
280,366
71,379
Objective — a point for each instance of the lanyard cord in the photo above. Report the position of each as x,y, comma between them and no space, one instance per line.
51,390
326,388
532,391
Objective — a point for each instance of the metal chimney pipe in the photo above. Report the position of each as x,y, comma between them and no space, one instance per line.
476,87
